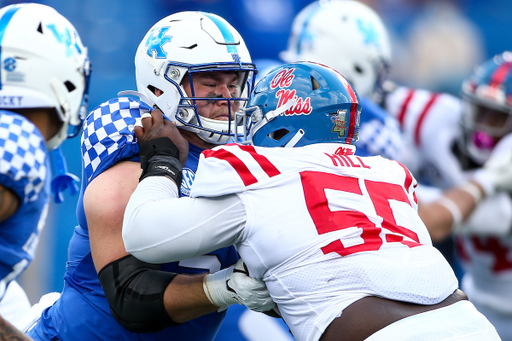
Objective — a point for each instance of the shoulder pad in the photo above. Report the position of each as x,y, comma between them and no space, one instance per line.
236,167
108,135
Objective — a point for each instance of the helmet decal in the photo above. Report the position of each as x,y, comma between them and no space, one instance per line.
156,41
10,64
236,58
339,119
283,79
4,20
369,33
67,38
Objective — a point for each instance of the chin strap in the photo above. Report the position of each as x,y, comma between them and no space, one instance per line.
295,139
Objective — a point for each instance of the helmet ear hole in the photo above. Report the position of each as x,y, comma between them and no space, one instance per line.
278,134
358,69
156,91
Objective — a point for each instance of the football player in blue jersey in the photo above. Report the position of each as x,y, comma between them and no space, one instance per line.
196,69
43,91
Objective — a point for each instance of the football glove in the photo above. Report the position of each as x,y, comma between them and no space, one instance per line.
233,285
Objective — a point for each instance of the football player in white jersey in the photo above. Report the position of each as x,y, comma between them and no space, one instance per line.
351,37
43,91
452,140
329,32
335,237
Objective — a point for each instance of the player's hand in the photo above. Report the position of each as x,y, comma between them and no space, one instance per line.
154,126
497,171
233,285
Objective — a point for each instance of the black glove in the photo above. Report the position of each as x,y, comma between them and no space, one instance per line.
160,157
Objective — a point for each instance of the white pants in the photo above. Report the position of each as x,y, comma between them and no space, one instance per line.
458,322
502,321
15,304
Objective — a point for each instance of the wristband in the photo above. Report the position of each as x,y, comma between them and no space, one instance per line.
451,206
472,189
160,157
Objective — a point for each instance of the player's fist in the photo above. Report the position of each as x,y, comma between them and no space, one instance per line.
234,285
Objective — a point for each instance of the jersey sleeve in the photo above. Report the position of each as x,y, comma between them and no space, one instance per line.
23,153
108,135
379,133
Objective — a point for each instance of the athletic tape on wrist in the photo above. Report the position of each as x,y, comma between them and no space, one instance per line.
451,206
472,189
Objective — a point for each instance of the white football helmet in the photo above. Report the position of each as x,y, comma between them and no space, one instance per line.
345,35
183,44
43,65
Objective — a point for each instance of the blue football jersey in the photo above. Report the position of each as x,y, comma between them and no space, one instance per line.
379,133
24,169
82,312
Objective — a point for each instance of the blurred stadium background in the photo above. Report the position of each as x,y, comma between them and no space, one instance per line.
436,44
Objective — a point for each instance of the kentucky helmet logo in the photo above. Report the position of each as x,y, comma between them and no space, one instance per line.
369,33
67,38
339,119
236,58
155,42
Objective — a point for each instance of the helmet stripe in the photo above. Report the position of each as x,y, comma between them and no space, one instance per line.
352,124
500,74
353,107
4,21
225,31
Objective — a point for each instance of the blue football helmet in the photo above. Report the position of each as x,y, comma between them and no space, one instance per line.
487,107
303,103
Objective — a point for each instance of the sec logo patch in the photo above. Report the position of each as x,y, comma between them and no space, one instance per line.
188,180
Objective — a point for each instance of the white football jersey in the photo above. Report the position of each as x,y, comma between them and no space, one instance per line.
431,124
325,228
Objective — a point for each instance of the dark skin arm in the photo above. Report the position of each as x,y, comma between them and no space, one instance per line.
9,203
